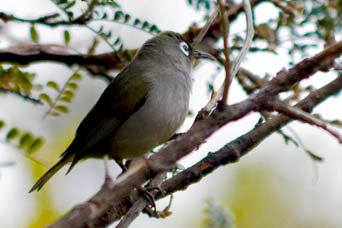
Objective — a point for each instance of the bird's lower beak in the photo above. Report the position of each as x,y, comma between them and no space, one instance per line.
202,55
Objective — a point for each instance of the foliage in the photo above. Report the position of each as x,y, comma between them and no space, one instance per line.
15,80
300,27
24,140
64,95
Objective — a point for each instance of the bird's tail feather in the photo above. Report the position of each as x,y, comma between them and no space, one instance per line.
39,184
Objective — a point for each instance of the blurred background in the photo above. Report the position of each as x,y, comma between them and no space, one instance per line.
275,185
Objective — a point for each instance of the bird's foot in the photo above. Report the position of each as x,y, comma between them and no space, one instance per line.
146,194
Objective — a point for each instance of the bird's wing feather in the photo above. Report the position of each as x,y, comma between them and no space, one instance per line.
124,96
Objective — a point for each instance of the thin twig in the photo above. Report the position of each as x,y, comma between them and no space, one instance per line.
232,151
85,16
283,7
298,114
61,92
25,97
205,29
87,213
225,32
237,61
104,39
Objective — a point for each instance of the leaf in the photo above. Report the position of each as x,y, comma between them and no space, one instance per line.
76,76
116,41
62,108
71,4
11,134
72,85
25,139
66,37
104,16
100,30
53,85
54,114
2,124
45,97
127,17
36,145
69,93
24,82
60,2
314,156
154,28
145,24
70,15
136,22
34,34
118,15
65,99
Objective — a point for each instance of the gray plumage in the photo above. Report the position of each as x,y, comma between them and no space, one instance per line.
141,108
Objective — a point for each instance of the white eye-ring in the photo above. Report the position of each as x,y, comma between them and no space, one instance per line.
185,48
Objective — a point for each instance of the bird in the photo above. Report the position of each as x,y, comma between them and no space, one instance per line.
141,108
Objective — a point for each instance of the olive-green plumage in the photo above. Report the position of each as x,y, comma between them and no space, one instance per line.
140,109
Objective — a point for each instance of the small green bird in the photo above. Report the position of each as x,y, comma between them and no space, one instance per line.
140,109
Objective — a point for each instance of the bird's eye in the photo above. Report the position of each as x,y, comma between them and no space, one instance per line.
185,48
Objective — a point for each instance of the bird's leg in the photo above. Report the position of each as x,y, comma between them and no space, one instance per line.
145,193
107,176
122,166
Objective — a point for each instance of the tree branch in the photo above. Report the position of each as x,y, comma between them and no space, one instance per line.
95,64
112,195
25,97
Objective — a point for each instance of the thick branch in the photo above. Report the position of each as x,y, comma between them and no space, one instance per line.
96,64
111,195
232,151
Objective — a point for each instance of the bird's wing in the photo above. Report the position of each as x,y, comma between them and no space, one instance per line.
124,96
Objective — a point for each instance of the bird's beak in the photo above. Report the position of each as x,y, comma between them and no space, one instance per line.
202,55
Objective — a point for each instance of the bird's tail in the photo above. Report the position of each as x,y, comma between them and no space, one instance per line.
39,184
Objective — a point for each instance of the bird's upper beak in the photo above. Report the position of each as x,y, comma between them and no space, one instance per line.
202,55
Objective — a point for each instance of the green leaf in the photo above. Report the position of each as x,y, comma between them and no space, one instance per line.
24,82
60,2
70,15
34,34
76,76
65,99
118,15
25,139
66,37
104,16
145,24
71,4
127,17
69,93
314,156
54,114
154,28
100,30
72,85
36,145
136,22
45,97
11,134
62,108
2,124
53,85
116,41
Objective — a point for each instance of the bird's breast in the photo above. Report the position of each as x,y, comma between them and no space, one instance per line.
155,122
